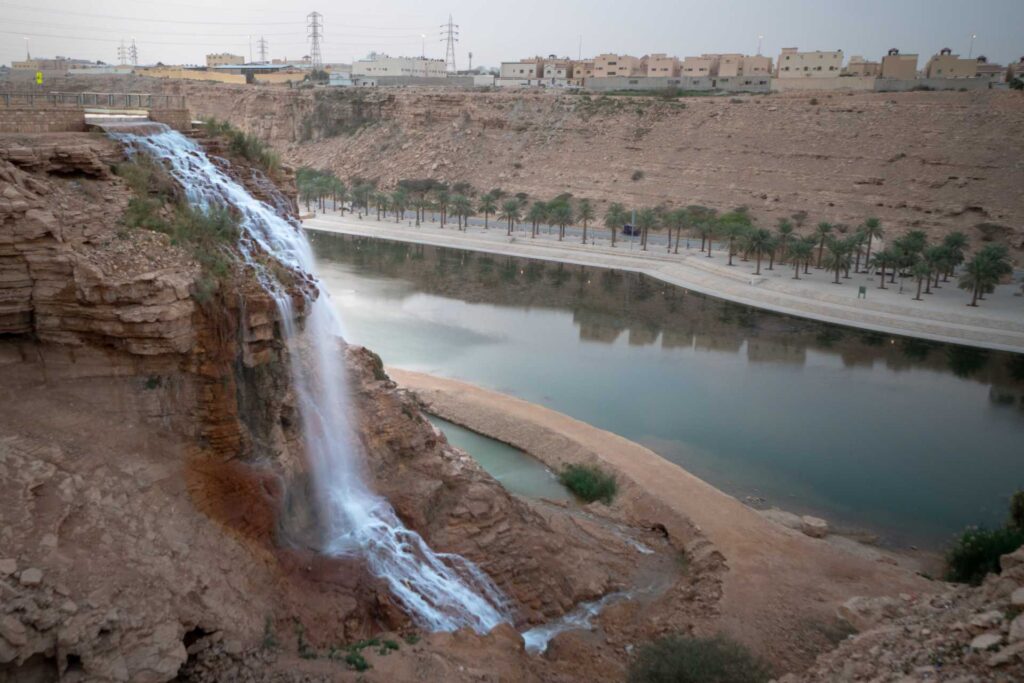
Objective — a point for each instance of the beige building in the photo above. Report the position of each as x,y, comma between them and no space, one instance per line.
608,65
895,65
524,69
663,66
756,65
816,64
696,67
582,70
733,64
224,59
726,65
557,69
993,73
859,66
948,65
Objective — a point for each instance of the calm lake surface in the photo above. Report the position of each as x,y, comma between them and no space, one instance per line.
909,439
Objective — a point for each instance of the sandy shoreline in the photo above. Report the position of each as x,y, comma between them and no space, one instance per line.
777,579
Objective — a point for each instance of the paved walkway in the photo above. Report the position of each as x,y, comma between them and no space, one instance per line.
998,323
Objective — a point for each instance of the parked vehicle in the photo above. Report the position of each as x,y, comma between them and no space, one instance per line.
628,229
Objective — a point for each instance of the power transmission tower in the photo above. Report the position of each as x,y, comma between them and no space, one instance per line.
133,53
122,53
450,35
316,32
261,46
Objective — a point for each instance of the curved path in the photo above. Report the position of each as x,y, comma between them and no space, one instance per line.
998,324
781,590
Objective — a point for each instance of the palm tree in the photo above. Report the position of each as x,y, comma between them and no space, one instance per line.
872,229
801,252
421,204
935,258
380,200
955,242
813,242
614,219
921,272
784,238
760,242
983,272
886,258
399,202
463,208
537,215
442,199
560,213
488,205
676,220
510,213
823,230
707,229
646,220
838,257
732,226
585,213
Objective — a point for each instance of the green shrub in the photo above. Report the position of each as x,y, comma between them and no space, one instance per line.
637,175
977,552
589,483
245,145
677,659
356,661
1017,510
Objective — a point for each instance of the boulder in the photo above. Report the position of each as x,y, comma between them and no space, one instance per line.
986,641
815,527
31,577
1017,597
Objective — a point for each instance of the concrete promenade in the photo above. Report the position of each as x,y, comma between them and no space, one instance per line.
998,322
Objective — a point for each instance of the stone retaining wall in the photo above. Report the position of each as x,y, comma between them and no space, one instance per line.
41,120
178,119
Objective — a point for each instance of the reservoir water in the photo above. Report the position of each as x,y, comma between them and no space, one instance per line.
909,439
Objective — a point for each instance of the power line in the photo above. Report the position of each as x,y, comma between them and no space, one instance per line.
450,35
316,28
147,20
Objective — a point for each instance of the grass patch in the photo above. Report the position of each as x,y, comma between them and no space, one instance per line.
677,659
356,661
976,553
589,483
245,145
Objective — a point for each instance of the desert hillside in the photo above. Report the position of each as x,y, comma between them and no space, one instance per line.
935,161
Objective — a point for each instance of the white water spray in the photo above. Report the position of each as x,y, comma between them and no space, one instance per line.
443,592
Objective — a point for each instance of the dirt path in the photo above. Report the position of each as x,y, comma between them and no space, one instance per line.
782,587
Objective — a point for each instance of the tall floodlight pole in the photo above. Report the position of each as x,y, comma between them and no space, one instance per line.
423,47
316,33
970,53
28,53
470,61
760,39
450,35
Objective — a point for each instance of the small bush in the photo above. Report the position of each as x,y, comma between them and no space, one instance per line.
677,659
356,661
637,175
589,483
411,639
814,101
977,552
1017,510
245,145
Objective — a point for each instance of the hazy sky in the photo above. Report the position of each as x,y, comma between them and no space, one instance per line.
184,31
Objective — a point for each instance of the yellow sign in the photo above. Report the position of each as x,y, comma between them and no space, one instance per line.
39,78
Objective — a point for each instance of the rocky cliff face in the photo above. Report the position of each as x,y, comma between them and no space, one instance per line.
152,482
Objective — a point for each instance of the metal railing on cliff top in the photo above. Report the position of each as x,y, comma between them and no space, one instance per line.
99,100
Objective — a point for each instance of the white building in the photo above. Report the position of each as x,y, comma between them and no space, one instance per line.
409,67
795,64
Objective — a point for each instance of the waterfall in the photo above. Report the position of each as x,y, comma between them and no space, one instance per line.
442,592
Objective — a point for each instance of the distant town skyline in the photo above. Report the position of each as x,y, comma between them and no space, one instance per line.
184,32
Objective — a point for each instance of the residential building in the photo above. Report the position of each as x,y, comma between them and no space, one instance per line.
608,65
696,67
993,73
224,59
895,65
58,63
726,65
663,65
523,69
948,65
756,65
582,71
411,67
557,69
815,64
858,66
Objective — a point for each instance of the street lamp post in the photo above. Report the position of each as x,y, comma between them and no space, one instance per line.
970,53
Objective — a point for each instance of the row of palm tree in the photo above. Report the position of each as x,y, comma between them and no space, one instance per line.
834,248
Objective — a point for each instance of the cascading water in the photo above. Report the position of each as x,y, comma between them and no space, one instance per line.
443,592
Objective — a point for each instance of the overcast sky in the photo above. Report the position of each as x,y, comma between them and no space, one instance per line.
184,31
